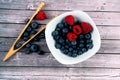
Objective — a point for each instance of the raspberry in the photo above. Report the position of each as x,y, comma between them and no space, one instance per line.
77,29
41,15
86,27
69,20
71,36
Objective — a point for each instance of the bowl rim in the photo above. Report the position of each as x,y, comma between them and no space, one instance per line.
57,53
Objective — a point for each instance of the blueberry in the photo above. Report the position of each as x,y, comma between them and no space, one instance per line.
58,46
61,41
62,48
77,22
89,46
41,52
67,41
36,38
70,28
17,45
29,29
69,54
81,36
60,25
74,43
74,55
81,41
65,51
33,32
34,25
65,30
57,29
74,51
80,52
66,46
28,51
55,33
28,45
70,49
81,45
84,50
74,47
88,36
25,34
89,41
34,47
25,38
56,38
42,35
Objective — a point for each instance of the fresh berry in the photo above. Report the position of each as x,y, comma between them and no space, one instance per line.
25,38
70,49
69,54
77,29
81,41
86,27
69,20
88,36
81,36
84,50
41,52
25,34
74,43
34,47
65,30
81,45
65,51
28,45
89,41
61,40
80,52
29,29
42,35
60,25
71,36
41,15
17,45
34,25
33,32
58,46
55,33
89,46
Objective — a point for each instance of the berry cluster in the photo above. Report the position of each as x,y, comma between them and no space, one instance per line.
31,30
72,37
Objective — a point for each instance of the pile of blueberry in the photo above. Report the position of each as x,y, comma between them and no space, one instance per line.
31,30
31,46
73,38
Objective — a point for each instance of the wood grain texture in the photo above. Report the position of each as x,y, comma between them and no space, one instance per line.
98,61
106,45
18,16
36,73
87,5
13,30
102,66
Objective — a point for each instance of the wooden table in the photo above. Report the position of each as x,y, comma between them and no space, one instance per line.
105,65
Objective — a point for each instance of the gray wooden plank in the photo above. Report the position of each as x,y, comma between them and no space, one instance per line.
106,45
61,72
13,30
98,60
19,16
88,5
57,78
36,73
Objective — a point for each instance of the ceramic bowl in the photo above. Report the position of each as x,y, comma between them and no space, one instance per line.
59,56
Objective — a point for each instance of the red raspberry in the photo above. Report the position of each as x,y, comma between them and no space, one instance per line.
71,36
77,29
86,27
41,15
69,20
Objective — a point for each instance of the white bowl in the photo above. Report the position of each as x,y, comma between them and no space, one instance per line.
62,58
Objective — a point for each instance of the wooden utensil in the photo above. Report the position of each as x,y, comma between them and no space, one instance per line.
12,50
